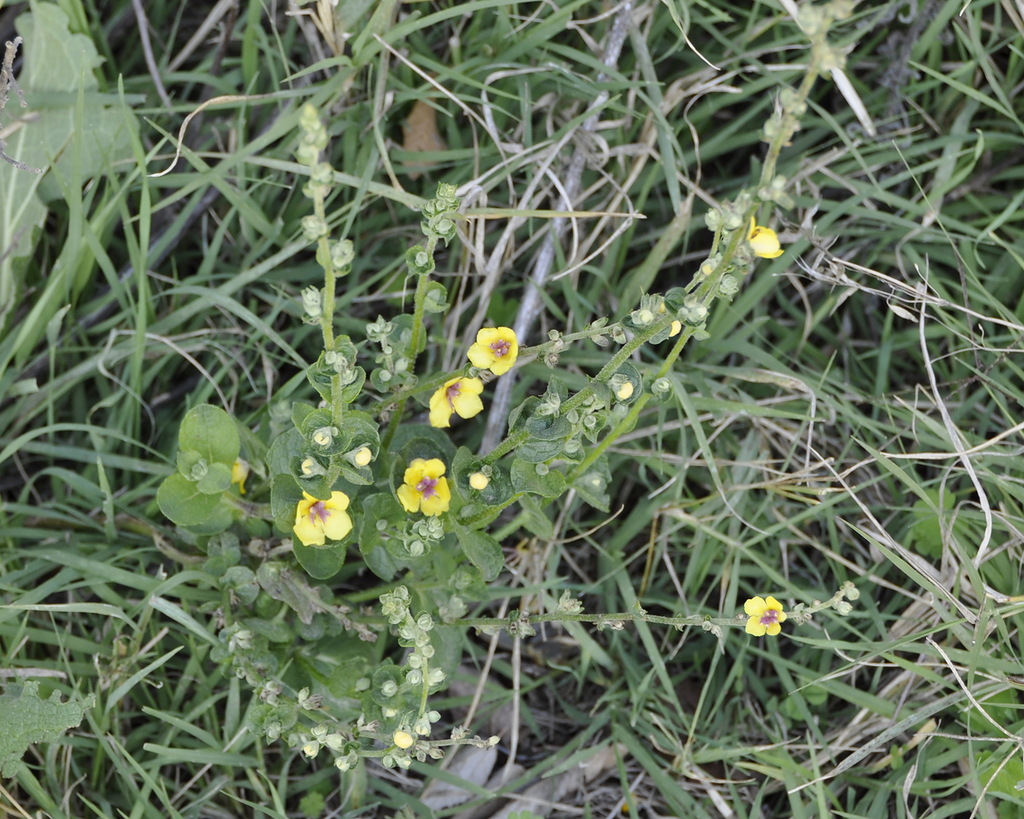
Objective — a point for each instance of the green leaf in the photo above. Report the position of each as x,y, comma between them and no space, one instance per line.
69,131
925,534
380,512
212,433
183,503
534,519
290,588
1001,776
216,480
592,485
548,483
483,551
320,562
285,495
27,718
285,452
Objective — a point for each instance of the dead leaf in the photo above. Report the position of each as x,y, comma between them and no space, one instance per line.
420,135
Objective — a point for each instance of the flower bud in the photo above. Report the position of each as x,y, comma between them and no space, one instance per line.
403,739
728,287
361,456
313,228
418,260
342,254
324,436
479,481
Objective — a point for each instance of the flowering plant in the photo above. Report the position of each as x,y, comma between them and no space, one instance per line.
370,464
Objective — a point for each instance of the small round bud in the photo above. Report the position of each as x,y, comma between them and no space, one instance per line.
479,481
311,467
403,739
362,456
324,436
642,317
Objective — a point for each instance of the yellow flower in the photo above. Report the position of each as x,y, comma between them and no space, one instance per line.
459,395
765,615
403,739
239,472
763,241
424,489
318,520
496,349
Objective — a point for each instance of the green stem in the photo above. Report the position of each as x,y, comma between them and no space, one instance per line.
607,371
419,308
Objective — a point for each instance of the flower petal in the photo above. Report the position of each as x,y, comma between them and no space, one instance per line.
755,607
308,532
756,627
337,525
496,349
764,243
409,497
439,501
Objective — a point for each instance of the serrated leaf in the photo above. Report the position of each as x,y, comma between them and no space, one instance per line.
27,719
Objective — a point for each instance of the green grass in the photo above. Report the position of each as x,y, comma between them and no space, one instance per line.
854,416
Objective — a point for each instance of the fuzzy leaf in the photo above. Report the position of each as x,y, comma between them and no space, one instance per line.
27,718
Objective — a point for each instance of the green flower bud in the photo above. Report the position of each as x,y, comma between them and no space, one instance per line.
713,220
322,174
312,303
419,261
342,254
313,228
324,436
728,287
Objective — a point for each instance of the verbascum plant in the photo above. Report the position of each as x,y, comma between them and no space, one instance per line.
357,469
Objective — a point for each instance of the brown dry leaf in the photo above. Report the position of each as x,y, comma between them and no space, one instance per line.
420,135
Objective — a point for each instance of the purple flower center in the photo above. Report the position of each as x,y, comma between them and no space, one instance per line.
500,348
318,512
770,618
453,392
426,487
